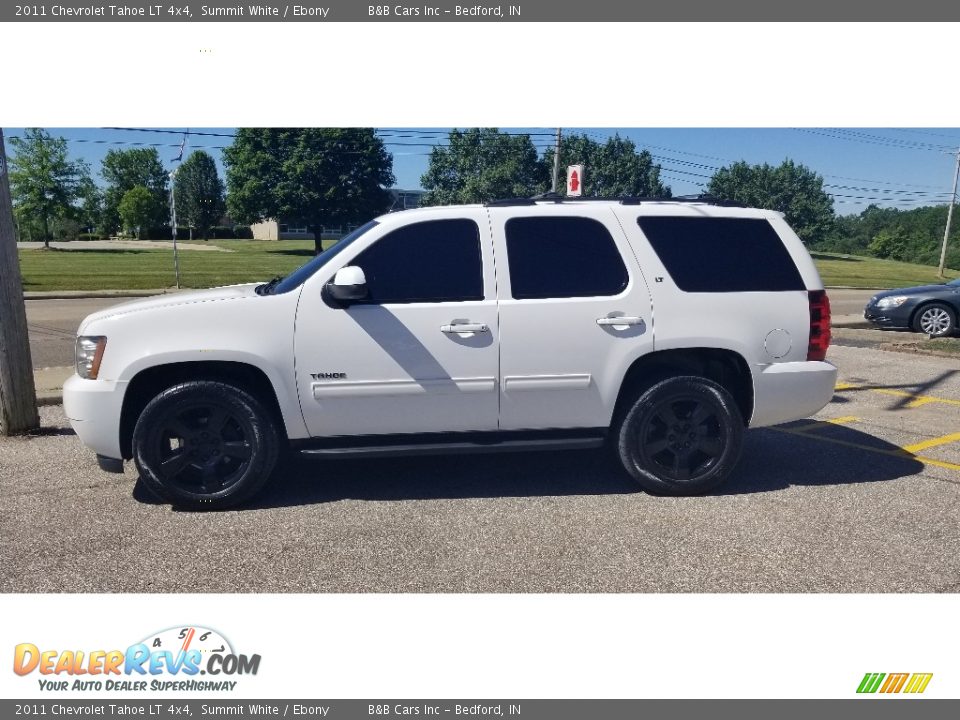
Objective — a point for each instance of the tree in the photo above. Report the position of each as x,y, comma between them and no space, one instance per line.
90,212
44,182
137,209
124,170
318,176
890,243
482,164
913,235
790,188
611,169
198,192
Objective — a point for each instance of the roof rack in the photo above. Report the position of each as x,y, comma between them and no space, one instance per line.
629,200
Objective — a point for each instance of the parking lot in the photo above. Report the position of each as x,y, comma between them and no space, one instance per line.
863,498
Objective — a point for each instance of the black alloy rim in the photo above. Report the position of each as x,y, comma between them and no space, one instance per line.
683,438
203,449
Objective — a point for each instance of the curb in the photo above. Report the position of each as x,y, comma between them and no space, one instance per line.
85,294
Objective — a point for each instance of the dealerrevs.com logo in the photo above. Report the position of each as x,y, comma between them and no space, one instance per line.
892,683
172,659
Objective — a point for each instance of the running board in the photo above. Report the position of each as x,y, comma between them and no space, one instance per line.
581,443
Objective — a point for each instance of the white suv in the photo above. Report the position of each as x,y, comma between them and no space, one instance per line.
664,327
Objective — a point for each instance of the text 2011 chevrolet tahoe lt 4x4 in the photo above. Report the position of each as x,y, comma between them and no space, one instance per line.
665,328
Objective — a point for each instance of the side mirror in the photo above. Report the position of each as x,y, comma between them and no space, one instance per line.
348,284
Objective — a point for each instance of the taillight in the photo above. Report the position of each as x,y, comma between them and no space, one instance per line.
819,325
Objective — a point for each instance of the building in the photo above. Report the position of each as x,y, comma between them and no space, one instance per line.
285,229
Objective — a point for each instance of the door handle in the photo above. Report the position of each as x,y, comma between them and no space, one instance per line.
465,328
620,321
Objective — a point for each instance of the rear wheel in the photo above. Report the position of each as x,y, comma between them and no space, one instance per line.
682,436
936,320
205,445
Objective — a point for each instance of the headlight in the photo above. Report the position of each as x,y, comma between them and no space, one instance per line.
89,354
892,302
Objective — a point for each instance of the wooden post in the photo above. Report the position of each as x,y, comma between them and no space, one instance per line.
18,395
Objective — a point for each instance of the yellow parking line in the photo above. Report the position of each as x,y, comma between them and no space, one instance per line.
938,463
845,420
917,400
933,442
901,453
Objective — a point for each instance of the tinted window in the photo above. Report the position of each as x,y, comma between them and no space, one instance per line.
722,254
562,257
436,261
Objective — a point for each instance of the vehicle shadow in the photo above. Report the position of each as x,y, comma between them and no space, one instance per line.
907,392
806,453
814,453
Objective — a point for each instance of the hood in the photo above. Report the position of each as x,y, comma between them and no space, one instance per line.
919,289
228,292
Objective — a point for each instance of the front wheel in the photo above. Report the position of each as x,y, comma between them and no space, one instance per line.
936,320
205,445
682,436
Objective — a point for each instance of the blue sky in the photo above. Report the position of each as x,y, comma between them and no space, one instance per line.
902,167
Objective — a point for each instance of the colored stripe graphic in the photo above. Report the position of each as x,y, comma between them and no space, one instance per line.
870,682
894,683
918,683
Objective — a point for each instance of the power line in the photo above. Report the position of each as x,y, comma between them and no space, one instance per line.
865,139
926,132
677,169
846,132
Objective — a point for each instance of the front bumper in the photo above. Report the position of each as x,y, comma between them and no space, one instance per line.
891,318
93,409
789,391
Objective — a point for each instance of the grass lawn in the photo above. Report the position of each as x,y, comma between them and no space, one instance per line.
865,272
252,260
945,345
89,269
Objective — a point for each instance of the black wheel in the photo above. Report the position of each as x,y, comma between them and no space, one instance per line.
935,319
682,436
205,445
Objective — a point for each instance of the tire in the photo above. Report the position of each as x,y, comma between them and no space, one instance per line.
682,436
205,445
935,320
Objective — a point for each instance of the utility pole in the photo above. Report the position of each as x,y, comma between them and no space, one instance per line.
953,200
173,227
18,395
173,209
556,162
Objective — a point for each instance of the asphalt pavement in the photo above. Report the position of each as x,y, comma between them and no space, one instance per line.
835,504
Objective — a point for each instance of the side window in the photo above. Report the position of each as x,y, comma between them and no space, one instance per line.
563,257
434,261
722,254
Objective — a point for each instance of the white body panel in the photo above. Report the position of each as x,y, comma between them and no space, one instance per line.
405,371
231,324
742,322
561,369
365,369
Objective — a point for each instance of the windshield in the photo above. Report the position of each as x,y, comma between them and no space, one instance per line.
954,283
300,275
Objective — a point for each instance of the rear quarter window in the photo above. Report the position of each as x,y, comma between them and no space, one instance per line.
722,255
